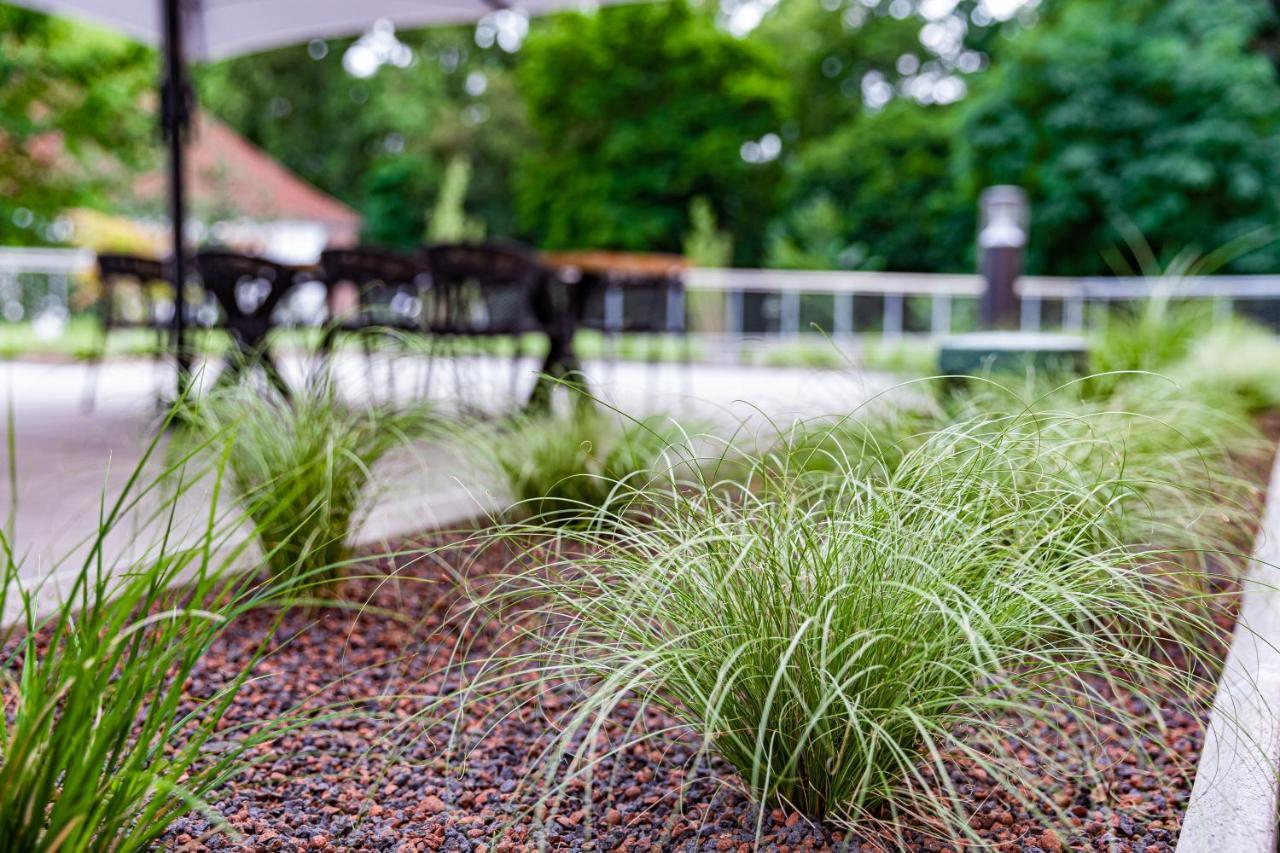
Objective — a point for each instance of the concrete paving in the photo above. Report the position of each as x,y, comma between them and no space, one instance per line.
70,462
1236,795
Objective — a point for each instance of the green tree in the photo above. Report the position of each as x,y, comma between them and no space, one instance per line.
840,55
382,142
878,194
73,111
449,222
1162,118
638,110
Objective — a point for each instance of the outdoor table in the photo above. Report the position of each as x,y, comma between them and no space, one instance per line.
250,328
575,280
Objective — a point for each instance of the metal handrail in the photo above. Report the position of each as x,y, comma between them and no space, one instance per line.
1074,293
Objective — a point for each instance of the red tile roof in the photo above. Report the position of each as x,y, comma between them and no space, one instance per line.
226,172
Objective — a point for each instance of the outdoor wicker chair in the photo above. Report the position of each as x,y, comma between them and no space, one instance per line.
135,295
373,292
248,290
484,290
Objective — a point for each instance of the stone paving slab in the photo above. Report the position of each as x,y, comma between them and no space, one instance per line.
68,458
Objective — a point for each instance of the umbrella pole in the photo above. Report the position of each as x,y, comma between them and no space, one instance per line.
175,117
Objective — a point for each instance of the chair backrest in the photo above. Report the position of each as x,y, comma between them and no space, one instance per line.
484,288
129,291
247,288
366,266
389,286
115,267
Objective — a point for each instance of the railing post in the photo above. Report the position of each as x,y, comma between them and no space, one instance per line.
733,313
842,314
613,308
789,318
1073,314
676,309
940,315
893,305
1031,314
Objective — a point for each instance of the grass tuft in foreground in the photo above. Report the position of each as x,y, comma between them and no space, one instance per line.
840,648
101,745
301,466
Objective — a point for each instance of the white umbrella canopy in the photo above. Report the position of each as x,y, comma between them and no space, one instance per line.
201,30
218,29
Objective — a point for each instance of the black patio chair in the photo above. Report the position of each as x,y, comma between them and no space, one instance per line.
248,290
390,290
484,290
135,295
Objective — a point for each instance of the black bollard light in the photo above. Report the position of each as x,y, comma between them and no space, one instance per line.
1002,245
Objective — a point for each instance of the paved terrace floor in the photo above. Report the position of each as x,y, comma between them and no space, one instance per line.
69,459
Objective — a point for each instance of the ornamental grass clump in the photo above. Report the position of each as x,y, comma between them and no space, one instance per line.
102,745
584,467
1184,457
841,652
301,467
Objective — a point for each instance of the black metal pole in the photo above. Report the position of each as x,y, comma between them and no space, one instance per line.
175,116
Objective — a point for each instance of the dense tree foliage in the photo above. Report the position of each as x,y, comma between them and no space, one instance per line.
73,112
878,194
831,133
381,142
638,110
1161,118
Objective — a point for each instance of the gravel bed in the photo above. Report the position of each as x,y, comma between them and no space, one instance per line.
372,778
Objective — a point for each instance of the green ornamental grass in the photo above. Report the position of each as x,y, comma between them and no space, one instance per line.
838,649
301,466
583,467
101,744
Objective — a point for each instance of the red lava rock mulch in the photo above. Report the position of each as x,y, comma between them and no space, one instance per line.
375,778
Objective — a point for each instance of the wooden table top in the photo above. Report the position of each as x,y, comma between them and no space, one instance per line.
603,262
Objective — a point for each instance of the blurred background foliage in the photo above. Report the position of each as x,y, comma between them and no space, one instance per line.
850,134
74,115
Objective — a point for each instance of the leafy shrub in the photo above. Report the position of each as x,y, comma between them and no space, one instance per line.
838,648
301,466
101,744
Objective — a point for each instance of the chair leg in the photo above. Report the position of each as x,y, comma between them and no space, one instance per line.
431,360
323,364
392,357
273,373
92,374
516,358
456,358
93,365
366,349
